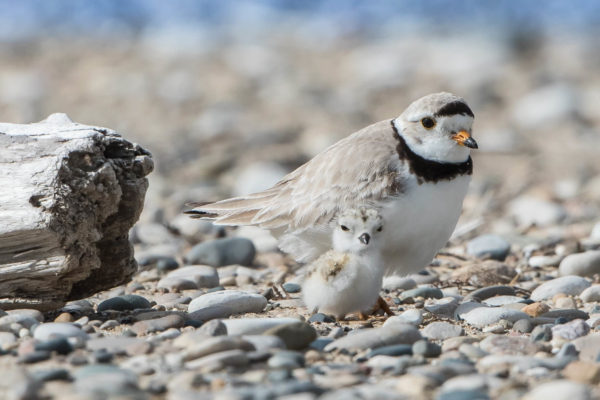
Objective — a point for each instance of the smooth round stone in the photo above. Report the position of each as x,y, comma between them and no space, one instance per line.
34,357
480,317
320,317
396,282
541,333
36,314
124,302
591,294
7,340
491,291
224,303
24,320
60,345
254,326
426,348
190,277
78,307
584,372
444,307
221,252
571,330
523,326
215,344
151,233
158,324
559,390
387,335
411,316
296,336
581,264
52,330
424,292
394,350
320,343
119,345
489,246
286,360
292,287
467,307
442,330
515,345
54,374
532,211
214,327
588,347
544,261
499,301
536,309
568,350
569,285
105,380
166,264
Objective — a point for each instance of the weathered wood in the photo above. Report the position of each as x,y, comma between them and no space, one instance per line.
69,193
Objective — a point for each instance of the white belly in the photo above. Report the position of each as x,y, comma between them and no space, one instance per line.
420,222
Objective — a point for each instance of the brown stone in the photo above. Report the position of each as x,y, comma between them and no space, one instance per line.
583,371
64,317
536,309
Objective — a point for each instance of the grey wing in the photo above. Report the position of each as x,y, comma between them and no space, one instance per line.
362,168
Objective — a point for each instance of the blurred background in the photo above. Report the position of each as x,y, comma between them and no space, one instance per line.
231,95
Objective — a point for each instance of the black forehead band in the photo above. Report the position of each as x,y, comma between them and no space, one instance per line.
454,108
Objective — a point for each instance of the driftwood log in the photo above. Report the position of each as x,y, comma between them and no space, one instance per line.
69,193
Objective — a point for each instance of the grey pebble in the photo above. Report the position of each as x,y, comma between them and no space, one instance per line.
499,301
292,287
541,333
54,374
523,326
482,316
217,361
588,347
571,330
425,292
444,307
581,264
286,359
515,345
7,340
320,343
533,211
214,327
158,324
320,317
216,344
34,357
559,390
411,316
105,380
426,348
394,350
570,285
591,294
489,246
190,277
296,335
224,303
254,326
119,345
390,334
24,320
124,302
51,330
265,342
568,314
568,350
442,330
60,345
491,291
221,252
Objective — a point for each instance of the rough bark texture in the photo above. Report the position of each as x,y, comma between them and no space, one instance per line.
69,193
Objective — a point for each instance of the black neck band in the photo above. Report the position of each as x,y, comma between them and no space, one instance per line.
427,170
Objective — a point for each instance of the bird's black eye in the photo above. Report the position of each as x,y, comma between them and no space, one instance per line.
380,229
345,228
428,123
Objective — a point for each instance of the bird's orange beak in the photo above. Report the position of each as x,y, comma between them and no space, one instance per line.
464,138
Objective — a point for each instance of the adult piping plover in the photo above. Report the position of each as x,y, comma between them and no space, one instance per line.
415,168
348,277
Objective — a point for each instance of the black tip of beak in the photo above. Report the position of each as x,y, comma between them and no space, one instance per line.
364,238
471,143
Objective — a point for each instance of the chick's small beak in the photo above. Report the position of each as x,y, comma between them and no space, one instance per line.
464,138
364,238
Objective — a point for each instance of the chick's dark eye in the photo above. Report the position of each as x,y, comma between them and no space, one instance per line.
428,123
380,229
345,228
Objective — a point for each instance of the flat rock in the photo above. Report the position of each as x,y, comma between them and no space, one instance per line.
124,302
480,317
224,303
217,361
158,324
588,347
254,326
489,246
119,345
411,316
215,345
424,292
570,285
491,291
581,264
499,301
591,294
444,307
396,282
106,381
391,334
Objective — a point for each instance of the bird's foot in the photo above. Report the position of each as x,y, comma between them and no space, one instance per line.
383,305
